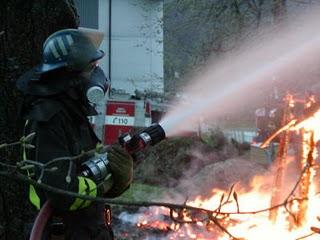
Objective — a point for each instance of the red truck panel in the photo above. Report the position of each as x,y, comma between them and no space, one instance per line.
119,119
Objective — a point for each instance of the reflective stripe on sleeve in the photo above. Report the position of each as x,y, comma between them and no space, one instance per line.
33,197
92,191
86,187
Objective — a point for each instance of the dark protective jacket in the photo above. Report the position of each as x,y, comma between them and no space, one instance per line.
56,109
62,130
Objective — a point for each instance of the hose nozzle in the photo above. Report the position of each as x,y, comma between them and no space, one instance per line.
149,136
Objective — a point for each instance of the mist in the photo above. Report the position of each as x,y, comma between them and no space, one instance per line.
287,57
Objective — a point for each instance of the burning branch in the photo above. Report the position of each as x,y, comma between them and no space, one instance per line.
179,213
13,171
227,201
212,216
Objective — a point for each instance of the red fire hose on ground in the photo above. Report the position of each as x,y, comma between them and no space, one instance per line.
41,221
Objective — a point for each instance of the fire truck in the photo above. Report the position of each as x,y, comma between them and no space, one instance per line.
133,43
120,115
123,116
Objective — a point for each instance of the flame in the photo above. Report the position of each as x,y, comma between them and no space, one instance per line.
251,223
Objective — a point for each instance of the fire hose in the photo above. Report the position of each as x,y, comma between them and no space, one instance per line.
97,169
41,221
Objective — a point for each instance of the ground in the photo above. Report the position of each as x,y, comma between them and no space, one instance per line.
182,168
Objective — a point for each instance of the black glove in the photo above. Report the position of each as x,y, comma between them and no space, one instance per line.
121,165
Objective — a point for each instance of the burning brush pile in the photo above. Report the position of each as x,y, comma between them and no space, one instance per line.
283,203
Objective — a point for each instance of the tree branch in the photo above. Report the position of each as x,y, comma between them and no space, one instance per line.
214,216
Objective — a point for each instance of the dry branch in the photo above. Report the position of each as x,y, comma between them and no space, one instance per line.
214,216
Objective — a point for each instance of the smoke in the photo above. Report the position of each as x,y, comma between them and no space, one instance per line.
253,184
221,175
208,183
288,57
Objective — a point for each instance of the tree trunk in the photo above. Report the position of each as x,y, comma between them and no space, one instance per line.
279,11
24,25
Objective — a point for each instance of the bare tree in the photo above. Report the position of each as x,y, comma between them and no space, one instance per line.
224,24
24,25
279,11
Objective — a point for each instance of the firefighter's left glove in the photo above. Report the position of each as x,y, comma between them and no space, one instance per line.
121,165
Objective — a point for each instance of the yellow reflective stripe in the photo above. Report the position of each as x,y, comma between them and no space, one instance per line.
33,196
78,202
92,191
84,190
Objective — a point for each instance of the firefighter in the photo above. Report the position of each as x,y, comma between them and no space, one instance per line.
56,107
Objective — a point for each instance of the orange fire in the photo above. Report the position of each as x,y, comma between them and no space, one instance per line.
247,215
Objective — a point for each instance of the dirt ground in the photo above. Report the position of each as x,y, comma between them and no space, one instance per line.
189,167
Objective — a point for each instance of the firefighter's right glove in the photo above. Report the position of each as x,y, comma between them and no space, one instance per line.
121,165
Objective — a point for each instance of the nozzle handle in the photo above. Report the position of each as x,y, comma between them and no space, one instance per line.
156,133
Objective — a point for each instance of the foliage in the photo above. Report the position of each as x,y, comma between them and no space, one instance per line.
24,25
195,31
164,164
145,192
214,138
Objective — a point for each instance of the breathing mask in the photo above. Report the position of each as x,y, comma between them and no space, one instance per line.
97,86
